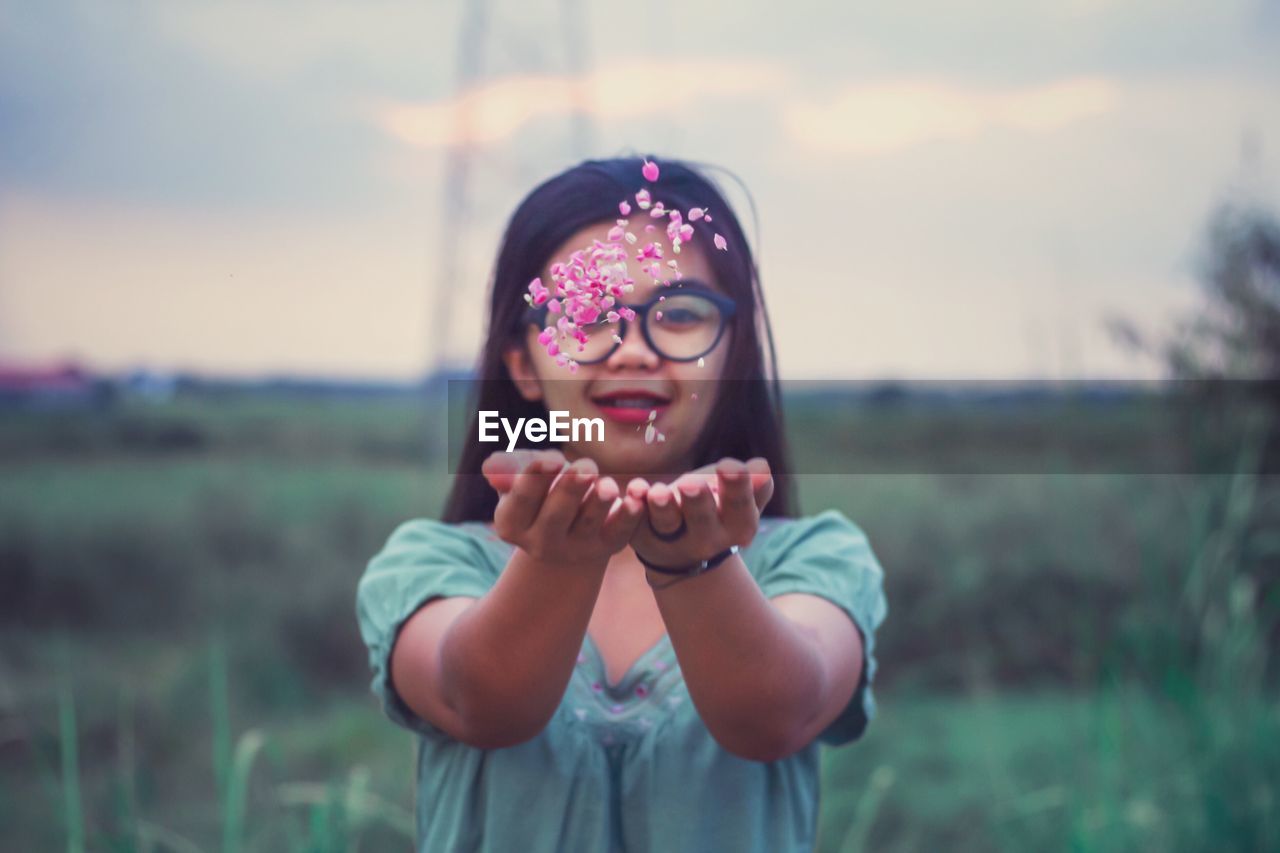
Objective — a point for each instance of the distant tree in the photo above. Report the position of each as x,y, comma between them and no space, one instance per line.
1237,335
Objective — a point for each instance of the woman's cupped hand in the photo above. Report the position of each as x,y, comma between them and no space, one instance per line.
712,508
568,514
562,513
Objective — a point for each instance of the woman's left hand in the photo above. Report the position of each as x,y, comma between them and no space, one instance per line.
719,505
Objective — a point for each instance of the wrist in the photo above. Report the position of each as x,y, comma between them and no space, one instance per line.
576,566
689,569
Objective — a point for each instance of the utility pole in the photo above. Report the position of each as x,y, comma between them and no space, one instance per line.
461,158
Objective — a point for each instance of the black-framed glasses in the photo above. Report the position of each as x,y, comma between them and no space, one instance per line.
681,323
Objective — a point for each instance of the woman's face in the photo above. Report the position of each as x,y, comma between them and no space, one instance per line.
634,380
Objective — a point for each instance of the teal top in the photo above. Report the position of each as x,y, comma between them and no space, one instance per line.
627,766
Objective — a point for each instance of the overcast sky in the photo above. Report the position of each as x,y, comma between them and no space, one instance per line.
257,188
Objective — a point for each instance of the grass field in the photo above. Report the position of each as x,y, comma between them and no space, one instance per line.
1069,661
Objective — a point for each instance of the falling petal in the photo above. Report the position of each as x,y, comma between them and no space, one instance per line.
657,316
707,217
651,228
694,395
695,213
631,238
642,199
624,208
702,362
653,413
661,437
649,432
616,339
650,171
721,244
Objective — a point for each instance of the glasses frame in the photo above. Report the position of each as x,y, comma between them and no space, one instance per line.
538,316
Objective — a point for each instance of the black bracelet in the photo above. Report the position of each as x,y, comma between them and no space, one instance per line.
689,571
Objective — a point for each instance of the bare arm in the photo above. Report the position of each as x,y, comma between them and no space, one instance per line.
766,677
491,671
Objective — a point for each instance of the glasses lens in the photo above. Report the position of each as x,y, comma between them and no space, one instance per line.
597,345
688,327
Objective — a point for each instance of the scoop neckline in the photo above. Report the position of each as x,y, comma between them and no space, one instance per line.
633,672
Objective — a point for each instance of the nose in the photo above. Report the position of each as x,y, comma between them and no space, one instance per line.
633,352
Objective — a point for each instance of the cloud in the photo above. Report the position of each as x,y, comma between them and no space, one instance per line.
495,111
876,118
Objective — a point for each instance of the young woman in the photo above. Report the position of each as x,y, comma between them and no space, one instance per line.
629,644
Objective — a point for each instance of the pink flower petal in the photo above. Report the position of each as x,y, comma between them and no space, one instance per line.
721,244
624,208
650,171
696,213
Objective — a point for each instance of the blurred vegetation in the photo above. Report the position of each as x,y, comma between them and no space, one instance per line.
1072,661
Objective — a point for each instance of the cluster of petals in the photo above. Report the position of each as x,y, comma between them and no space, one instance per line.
590,285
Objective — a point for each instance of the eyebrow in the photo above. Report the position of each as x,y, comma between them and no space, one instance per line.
686,283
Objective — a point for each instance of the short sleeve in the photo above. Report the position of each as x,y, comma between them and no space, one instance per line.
423,559
829,556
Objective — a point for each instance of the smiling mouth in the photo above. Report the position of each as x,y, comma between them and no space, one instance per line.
631,406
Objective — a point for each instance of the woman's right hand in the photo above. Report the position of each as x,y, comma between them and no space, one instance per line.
559,513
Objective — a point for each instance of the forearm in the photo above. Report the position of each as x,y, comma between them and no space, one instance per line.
506,661
754,676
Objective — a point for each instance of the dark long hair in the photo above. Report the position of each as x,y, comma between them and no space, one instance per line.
746,419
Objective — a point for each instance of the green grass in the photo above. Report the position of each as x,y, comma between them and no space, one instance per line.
1069,661
1118,769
